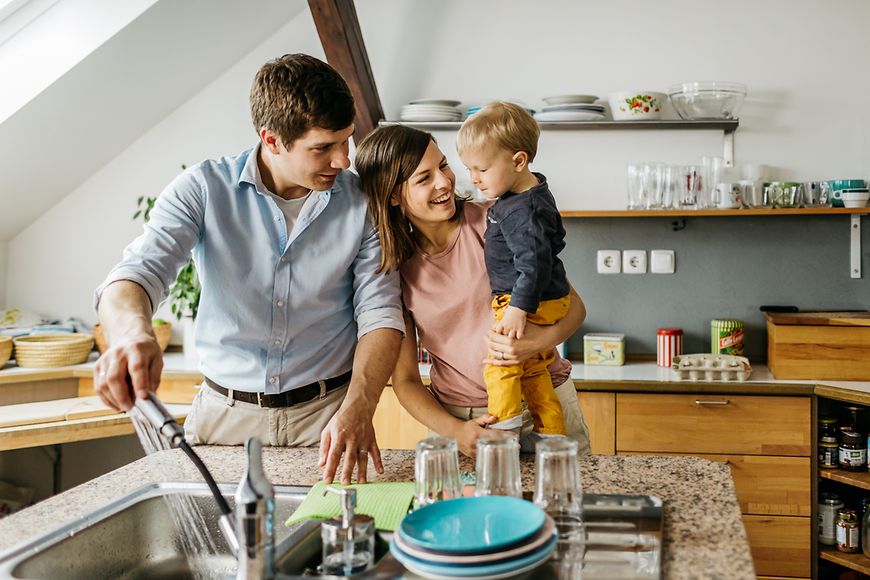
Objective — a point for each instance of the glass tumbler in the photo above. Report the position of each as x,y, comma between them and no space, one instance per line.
558,492
436,471
635,186
710,181
690,187
653,184
498,464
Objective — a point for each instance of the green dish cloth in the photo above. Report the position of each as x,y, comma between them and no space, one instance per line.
386,502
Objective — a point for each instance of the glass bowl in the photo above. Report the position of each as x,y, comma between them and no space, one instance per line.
707,99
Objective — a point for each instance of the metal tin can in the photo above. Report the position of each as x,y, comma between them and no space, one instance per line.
669,343
726,336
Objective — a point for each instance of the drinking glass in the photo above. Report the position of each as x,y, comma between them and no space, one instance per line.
436,471
712,175
691,186
673,188
498,464
558,492
635,186
653,184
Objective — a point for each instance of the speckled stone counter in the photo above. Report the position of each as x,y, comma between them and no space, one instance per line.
703,530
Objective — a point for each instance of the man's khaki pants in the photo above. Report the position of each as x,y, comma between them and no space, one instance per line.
218,420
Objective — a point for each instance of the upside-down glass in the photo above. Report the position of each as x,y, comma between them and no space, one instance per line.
653,184
498,464
672,189
436,471
691,186
635,186
710,180
558,492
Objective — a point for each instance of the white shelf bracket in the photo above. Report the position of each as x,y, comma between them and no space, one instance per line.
855,246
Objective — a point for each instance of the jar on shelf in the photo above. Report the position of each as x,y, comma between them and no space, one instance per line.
853,451
856,416
828,428
865,533
848,536
828,453
829,505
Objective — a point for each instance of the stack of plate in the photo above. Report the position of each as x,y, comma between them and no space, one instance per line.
431,110
475,537
571,108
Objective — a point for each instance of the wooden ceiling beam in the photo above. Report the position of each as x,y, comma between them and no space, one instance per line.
338,27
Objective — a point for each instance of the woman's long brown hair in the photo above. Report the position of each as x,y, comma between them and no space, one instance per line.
385,160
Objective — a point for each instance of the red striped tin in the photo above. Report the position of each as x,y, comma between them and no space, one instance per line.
669,343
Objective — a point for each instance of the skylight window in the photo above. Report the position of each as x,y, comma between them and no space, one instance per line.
15,15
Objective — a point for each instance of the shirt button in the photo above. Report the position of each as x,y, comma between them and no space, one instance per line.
272,380
280,304
277,218
277,342
283,259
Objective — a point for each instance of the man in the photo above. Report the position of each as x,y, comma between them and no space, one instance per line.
291,302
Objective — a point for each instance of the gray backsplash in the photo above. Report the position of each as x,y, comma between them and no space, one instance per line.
726,267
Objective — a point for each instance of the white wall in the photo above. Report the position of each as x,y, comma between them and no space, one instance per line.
4,249
805,64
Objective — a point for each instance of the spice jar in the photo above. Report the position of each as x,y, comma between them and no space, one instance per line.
847,531
828,453
828,509
853,451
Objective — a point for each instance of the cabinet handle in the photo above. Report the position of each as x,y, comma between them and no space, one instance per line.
700,402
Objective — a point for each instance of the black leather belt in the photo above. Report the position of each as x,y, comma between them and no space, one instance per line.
288,399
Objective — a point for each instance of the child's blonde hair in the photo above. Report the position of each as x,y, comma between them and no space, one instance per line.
505,125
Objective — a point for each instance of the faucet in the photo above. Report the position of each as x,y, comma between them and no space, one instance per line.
252,539
255,515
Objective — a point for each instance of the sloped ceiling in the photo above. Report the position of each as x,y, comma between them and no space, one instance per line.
146,70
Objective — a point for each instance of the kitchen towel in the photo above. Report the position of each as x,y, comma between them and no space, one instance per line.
386,502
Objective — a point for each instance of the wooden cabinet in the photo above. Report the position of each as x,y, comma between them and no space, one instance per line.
599,412
395,428
767,443
172,391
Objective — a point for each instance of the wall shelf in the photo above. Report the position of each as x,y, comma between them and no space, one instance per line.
858,561
685,213
854,478
728,126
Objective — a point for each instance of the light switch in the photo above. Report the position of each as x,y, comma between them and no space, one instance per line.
634,261
608,262
662,261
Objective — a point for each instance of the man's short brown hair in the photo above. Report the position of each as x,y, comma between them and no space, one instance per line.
505,125
297,92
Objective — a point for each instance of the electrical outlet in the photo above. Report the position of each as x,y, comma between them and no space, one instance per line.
608,262
662,261
634,261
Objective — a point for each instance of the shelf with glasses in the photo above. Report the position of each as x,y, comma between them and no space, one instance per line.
728,126
684,213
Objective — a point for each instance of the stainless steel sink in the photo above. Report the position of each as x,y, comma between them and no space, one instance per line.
135,538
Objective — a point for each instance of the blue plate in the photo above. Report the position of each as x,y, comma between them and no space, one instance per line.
472,525
503,569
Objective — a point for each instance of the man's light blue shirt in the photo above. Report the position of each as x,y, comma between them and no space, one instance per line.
277,311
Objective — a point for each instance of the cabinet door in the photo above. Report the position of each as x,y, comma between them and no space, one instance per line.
780,545
395,428
702,423
174,391
599,412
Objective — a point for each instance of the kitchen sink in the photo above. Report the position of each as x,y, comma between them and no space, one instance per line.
135,538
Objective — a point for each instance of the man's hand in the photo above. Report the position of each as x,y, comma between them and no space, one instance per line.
468,432
127,370
512,324
349,432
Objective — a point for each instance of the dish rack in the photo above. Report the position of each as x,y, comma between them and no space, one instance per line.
711,367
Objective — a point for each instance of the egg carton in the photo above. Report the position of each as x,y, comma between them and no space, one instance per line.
711,367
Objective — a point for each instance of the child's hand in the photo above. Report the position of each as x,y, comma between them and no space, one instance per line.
513,324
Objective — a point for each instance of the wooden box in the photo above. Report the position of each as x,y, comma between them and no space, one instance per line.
819,345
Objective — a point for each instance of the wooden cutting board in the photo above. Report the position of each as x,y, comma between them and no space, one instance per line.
820,318
52,411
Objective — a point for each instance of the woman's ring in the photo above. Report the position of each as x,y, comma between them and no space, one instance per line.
500,355
362,451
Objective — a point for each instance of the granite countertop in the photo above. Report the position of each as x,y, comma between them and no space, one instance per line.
703,531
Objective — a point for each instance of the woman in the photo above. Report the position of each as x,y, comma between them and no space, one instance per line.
435,240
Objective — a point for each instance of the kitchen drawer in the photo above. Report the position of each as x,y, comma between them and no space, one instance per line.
767,485
599,412
780,545
702,423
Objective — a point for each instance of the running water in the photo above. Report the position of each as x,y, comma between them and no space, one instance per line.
197,543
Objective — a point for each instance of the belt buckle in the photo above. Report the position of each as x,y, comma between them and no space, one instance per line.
322,389
259,399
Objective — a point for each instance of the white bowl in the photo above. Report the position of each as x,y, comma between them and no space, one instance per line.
636,105
855,199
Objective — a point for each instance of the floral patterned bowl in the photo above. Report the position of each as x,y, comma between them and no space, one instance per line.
636,105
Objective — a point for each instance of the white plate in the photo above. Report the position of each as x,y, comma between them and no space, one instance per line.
540,538
563,99
429,118
555,116
574,107
444,102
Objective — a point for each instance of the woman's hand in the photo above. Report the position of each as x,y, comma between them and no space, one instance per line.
468,432
504,350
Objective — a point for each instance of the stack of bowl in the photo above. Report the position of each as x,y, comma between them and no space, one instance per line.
476,537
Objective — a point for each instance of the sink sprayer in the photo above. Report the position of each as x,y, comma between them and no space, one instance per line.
252,539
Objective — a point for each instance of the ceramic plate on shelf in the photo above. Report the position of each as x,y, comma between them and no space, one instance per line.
574,107
472,525
556,116
442,102
563,99
503,569
531,544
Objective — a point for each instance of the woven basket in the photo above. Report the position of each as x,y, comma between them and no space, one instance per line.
52,350
163,332
5,349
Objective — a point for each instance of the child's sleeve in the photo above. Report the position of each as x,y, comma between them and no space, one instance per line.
533,259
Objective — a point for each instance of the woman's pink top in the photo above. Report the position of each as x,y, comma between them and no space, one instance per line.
449,297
